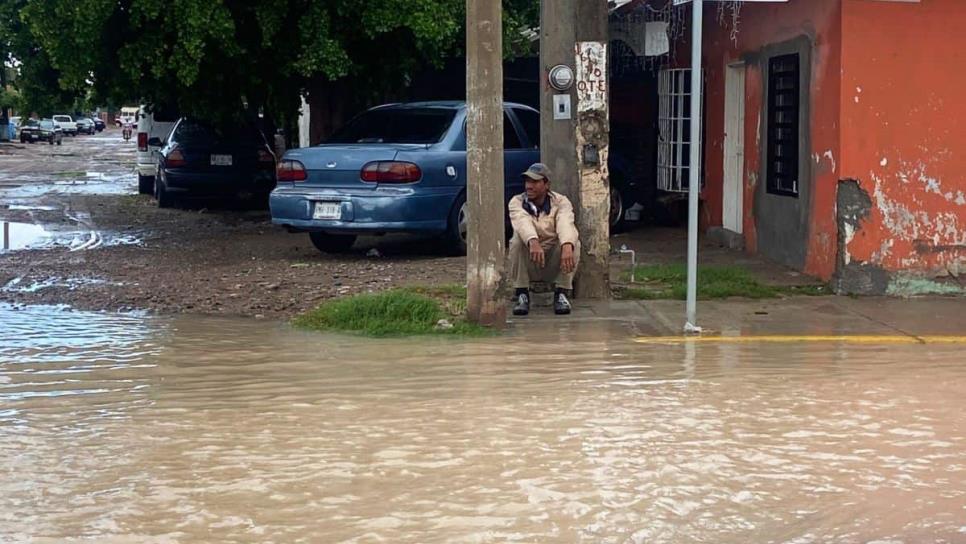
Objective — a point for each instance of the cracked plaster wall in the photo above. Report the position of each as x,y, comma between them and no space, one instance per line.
904,145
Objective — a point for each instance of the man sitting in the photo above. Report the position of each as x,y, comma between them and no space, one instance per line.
545,245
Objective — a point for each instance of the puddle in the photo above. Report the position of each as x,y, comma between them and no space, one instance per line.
17,285
23,236
28,236
31,208
88,183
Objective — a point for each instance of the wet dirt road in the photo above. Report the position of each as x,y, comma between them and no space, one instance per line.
129,428
79,234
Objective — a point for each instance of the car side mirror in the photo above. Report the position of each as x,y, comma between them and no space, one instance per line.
155,142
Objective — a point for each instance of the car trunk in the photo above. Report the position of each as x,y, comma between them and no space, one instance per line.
340,165
215,157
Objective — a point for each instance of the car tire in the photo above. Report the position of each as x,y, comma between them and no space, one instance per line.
60,141
145,185
51,140
163,196
332,243
616,211
457,227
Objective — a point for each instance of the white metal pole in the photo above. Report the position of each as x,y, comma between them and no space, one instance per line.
694,181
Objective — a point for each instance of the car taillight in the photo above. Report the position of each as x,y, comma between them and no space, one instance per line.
142,141
289,170
266,159
391,172
175,158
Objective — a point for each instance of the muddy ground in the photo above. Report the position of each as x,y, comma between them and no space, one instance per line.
82,236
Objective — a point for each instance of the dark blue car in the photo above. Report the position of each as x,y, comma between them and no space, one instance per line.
395,168
200,161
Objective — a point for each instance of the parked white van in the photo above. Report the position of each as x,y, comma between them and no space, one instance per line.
151,124
66,124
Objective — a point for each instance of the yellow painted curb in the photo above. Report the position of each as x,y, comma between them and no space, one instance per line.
789,339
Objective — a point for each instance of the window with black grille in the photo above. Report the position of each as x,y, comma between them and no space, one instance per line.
784,96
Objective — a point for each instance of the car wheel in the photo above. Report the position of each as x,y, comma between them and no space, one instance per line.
332,243
51,140
145,185
60,141
23,140
161,193
458,226
616,210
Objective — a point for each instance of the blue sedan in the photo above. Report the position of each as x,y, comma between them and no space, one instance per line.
396,168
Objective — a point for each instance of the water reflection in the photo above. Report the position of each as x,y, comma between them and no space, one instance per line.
201,430
16,236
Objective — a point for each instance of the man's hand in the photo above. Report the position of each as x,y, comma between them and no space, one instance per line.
568,263
536,253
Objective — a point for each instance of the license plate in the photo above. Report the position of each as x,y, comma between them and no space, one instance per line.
327,210
221,160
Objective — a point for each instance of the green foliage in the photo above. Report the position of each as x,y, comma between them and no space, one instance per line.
399,312
216,58
670,282
9,98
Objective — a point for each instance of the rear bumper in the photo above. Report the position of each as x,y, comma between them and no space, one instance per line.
148,169
218,183
365,211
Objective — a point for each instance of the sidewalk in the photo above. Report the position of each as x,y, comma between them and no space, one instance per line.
810,316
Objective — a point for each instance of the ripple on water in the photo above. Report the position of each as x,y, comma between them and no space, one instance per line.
195,430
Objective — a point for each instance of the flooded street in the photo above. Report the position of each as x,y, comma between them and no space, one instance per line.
130,428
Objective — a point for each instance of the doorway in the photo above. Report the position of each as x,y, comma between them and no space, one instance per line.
734,148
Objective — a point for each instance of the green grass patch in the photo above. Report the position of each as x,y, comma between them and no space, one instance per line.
400,312
670,282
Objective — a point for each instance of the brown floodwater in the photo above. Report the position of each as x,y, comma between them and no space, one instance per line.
131,428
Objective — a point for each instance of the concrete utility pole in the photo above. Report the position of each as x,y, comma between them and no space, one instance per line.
485,254
575,127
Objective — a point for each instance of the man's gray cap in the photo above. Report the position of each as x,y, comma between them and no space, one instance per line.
538,172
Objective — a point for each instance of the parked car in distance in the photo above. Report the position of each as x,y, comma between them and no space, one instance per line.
85,125
152,124
66,124
198,160
396,168
44,130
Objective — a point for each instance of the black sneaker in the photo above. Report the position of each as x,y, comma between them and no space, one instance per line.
561,306
522,307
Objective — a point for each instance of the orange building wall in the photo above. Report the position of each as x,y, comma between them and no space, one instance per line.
761,26
903,105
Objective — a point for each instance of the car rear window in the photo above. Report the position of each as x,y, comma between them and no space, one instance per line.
46,124
163,115
396,126
189,132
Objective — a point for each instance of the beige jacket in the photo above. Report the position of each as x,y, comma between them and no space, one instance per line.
551,229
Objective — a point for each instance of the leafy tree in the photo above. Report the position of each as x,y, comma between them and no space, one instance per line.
38,84
217,58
